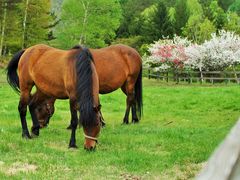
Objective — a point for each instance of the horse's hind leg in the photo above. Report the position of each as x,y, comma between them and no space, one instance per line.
74,122
22,108
128,89
134,113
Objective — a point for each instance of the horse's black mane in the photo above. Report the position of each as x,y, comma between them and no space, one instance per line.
85,88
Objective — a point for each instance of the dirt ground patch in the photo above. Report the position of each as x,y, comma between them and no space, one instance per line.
17,167
182,172
125,176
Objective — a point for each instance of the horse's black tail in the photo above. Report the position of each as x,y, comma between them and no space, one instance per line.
12,76
138,94
85,88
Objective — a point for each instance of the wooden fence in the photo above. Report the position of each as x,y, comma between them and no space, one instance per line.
224,164
195,76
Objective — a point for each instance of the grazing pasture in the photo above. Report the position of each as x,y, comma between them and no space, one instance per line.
182,125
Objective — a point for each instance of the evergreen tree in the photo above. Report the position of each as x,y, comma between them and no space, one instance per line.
181,15
162,25
9,26
23,23
224,4
155,23
235,7
131,12
218,16
36,19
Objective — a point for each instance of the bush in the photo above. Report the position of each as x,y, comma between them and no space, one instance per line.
220,52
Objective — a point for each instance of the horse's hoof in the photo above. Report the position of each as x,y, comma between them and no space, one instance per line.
73,146
35,131
69,127
34,135
26,136
125,123
135,121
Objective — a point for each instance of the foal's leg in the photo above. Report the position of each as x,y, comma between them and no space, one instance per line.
22,108
74,122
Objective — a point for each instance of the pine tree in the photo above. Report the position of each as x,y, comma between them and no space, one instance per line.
36,20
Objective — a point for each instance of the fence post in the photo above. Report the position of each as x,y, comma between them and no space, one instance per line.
235,74
225,77
177,79
149,74
189,79
167,76
201,77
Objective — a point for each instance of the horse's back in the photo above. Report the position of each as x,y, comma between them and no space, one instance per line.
131,56
115,64
49,68
128,55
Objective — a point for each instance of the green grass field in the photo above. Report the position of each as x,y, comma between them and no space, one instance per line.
181,127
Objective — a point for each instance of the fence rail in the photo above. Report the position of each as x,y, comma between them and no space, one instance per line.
195,76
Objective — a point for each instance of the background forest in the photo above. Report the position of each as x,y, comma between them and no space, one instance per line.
98,23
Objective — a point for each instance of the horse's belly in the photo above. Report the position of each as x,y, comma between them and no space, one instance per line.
112,73
110,84
104,89
52,91
50,85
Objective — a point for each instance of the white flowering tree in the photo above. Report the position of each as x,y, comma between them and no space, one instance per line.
220,52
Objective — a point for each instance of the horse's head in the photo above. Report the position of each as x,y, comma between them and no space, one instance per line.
44,112
91,132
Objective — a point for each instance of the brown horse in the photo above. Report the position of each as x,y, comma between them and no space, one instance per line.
57,74
118,66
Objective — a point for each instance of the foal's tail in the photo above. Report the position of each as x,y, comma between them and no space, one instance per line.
12,76
84,88
138,94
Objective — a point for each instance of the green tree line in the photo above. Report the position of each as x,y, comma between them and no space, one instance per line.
23,23
98,23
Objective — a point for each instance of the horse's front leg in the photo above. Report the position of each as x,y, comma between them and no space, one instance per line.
22,108
102,122
74,122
